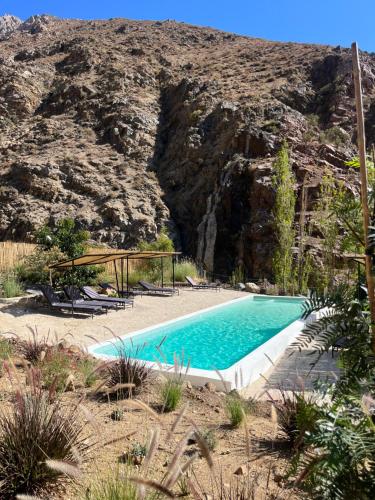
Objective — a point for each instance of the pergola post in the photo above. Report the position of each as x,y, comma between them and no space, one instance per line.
173,264
162,272
127,276
122,277
118,288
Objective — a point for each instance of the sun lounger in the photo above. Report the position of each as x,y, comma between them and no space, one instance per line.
127,293
74,294
203,286
92,294
55,302
157,290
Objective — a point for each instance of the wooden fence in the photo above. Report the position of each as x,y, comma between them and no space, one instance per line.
12,253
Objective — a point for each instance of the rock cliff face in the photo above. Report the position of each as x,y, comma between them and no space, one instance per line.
128,126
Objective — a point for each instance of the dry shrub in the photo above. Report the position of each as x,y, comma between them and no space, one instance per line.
34,431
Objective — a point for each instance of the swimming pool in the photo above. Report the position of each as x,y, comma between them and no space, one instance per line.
237,338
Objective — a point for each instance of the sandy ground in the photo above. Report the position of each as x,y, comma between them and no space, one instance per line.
147,311
290,370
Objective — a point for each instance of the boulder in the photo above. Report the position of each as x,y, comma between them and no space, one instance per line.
252,288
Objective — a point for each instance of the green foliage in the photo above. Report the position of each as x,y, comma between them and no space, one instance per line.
342,316
171,394
35,267
284,212
297,415
339,457
151,268
113,487
237,276
87,368
138,450
64,241
6,349
326,222
184,268
209,437
55,369
11,286
163,243
65,236
334,135
33,430
236,409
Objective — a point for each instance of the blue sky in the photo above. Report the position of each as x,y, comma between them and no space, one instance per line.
336,22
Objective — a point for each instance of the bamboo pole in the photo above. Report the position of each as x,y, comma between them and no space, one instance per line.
363,174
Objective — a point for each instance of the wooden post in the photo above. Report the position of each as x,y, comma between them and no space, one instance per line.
363,174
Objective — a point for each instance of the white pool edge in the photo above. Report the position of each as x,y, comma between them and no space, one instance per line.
238,376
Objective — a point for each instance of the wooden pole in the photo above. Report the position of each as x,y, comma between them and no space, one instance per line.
364,187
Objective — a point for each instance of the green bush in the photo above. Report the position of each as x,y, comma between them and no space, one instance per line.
11,287
6,350
236,409
337,461
334,135
114,487
171,394
56,368
35,267
61,242
87,368
237,276
32,431
184,268
297,415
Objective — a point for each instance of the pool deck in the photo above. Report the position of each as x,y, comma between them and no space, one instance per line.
147,311
152,310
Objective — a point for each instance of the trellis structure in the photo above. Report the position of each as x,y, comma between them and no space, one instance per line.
124,256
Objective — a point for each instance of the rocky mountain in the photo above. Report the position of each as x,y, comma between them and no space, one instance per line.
128,126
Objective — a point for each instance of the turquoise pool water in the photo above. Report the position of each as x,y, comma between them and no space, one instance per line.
214,339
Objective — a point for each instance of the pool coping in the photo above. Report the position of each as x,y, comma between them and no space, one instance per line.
237,376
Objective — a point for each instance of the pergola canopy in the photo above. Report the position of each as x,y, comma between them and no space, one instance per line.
90,259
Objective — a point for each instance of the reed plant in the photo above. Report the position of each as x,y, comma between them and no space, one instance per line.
11,286
236,409
171,394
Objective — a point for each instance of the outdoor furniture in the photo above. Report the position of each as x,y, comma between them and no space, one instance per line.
203,286
55,302
157,290
92,294
74,294
123,293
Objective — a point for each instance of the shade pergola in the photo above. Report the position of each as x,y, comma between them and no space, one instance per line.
97,258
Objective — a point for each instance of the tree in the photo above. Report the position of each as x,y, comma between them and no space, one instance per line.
63,241
284,213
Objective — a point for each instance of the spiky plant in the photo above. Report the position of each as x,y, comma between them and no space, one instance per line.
33,432
128,370
171,394
32,348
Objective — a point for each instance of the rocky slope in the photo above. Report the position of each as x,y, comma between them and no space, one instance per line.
128,126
